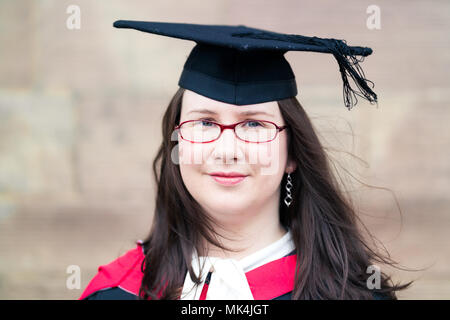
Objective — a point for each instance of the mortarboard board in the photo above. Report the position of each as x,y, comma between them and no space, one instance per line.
241,65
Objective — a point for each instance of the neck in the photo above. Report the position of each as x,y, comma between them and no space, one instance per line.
247,232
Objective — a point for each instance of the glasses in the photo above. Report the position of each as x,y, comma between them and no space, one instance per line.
204,131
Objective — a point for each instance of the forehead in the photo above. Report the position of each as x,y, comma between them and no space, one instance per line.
194,103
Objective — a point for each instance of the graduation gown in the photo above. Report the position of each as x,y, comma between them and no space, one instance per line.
121,278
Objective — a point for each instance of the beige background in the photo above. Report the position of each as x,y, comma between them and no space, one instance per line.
80,117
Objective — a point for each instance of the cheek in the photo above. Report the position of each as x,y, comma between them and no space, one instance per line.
192,169
191,176
190,153
272,157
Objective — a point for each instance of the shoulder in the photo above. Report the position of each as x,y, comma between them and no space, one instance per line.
118,279
116,293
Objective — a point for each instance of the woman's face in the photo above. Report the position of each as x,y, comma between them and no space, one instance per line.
262,164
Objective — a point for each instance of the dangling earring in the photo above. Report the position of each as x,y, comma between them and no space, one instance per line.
288,198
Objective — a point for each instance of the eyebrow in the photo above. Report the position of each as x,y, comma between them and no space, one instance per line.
244,113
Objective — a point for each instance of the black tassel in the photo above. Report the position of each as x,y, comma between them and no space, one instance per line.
344,55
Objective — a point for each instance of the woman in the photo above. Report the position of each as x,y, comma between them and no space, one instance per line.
247,206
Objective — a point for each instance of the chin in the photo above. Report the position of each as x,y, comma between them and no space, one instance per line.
227,205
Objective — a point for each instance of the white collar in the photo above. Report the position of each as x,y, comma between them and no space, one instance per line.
228,280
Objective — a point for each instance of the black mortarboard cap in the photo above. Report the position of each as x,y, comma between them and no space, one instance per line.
241,65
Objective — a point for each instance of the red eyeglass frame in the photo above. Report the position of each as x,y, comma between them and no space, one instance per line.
231,126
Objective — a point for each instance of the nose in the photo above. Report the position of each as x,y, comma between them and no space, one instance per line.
226,147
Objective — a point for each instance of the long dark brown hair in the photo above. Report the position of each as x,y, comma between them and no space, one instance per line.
332,253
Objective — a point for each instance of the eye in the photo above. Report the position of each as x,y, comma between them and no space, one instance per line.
254,124
206,122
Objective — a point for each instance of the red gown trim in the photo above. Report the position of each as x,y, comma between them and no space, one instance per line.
266,282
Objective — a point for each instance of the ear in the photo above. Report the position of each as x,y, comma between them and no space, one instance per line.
291,166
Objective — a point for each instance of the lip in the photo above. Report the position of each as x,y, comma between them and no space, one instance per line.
228,174
228,178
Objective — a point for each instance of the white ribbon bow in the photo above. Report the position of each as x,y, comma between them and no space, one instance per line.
228,279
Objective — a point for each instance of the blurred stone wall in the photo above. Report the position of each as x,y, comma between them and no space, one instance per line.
80,123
